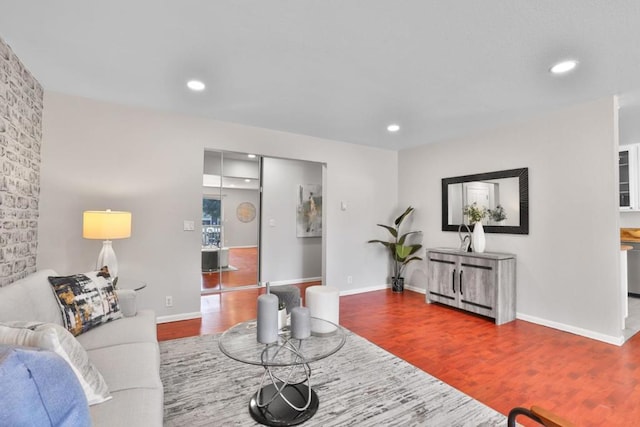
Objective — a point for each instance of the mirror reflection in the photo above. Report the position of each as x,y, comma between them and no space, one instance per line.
498,198
501,197
230,221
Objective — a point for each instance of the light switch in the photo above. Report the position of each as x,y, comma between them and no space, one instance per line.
343,206
189,225
272,222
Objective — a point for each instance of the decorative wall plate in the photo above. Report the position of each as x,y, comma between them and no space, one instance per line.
246,212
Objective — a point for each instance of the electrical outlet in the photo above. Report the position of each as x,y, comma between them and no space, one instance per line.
168,301
350,279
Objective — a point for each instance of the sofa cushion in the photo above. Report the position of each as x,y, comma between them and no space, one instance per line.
128,366
55,338
46,382
30,298
86,300
139,328
131,407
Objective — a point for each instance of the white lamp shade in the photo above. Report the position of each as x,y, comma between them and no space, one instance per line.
106,225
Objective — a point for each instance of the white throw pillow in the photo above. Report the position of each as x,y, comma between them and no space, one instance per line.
56,338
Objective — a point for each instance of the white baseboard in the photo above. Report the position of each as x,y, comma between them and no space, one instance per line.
178,317
363,290
379,288
422,291
609,339
294,281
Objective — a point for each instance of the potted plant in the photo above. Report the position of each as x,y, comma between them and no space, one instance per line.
476,214
498,215
401,253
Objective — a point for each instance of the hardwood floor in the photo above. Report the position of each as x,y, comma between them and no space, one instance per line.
219,311
245,260
516,364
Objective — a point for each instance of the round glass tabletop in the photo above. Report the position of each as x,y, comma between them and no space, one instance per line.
240,343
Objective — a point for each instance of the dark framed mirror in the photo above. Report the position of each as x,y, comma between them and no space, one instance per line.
503,194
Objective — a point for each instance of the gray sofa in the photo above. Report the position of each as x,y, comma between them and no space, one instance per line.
125,351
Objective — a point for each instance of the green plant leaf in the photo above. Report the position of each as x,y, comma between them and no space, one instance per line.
402,252
404,236
414,249
415,258
391,230
387,244
401,218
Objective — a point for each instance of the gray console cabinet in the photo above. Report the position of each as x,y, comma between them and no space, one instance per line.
482,283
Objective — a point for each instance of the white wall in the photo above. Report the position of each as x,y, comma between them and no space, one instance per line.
280,181
630,219
568,266
98,155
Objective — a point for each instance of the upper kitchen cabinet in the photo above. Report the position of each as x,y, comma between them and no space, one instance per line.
629,177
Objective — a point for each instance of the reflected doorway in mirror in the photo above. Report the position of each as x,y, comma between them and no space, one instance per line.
503,194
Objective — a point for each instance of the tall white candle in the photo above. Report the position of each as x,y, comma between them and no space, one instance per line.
300,323
267,323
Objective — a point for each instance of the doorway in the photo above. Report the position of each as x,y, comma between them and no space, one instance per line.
262,221
230,221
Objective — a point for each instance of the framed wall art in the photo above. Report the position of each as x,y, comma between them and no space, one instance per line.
309,211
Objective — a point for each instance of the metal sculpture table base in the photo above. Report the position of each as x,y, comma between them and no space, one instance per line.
284,396
286,401
279,412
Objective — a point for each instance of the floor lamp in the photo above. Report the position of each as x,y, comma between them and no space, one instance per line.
106,225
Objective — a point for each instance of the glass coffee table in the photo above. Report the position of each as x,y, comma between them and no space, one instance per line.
284,396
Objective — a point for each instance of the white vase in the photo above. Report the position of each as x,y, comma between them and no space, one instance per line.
478,237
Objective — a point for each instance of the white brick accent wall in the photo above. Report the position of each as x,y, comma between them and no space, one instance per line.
20,138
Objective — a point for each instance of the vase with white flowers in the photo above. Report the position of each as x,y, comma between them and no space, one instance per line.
475,215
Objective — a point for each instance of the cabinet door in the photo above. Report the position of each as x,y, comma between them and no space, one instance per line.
628,176
442,278
477,285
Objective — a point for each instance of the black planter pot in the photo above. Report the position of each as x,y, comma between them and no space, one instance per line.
397,284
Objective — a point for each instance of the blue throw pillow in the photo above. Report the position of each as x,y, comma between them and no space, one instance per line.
39,389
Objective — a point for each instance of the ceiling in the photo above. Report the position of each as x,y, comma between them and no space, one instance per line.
337,69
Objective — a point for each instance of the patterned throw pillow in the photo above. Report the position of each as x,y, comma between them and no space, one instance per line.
86,300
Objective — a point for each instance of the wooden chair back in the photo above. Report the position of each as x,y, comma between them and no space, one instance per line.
540,415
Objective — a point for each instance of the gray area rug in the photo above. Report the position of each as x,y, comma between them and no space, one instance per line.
360,385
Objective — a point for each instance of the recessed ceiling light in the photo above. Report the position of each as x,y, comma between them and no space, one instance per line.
247,180
251,156
196,85
564,66
393,127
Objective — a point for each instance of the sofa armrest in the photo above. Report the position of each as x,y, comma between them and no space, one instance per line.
127,301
